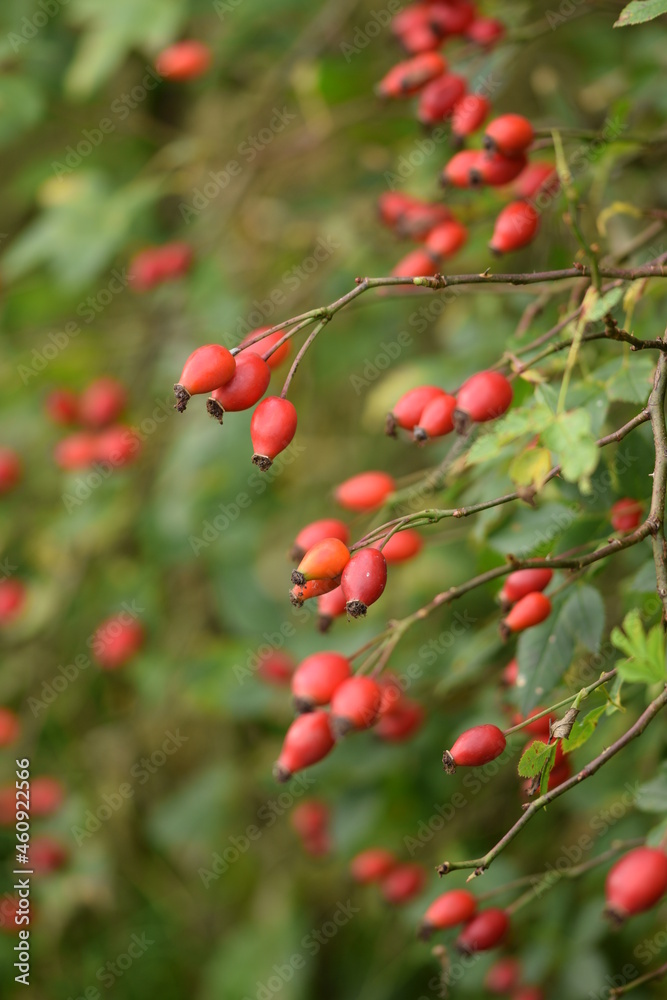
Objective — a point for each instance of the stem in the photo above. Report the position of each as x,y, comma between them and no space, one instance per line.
583,693
481,864
658,973
302,351
656,409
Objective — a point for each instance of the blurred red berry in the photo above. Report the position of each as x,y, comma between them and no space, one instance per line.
307,741
184,60
10,727
367,491
13,596
403,883
265,344
62,407
626,514
117,640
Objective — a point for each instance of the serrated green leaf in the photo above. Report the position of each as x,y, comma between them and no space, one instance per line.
645,652
570,438
533,759
627,380
605,304
583,729
516,424
652,795
640,11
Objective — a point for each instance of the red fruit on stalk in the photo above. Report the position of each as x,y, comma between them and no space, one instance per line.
265,344
402,546
417,221
307,741
530,610
459,170
367,491
363,581
509,134
46,795
317,678
411,75
635,883
245,388
206,369
10,727
515,227
468,114
326,560
496,169
536,178
47,854
403,883
448,910
117,640
117,445
313,588
401,722
474,747
485,396
184,60
77,451
13,595
276,667
439,97
372,865
524,581
503,976
317,531
174,259
485,31
484,931
355,705
437,418
272,428
329,606
310,818
626,514
416,264
410,407
446,239
62,407
392,206
420,39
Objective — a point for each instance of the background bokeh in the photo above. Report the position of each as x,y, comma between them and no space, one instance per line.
206,572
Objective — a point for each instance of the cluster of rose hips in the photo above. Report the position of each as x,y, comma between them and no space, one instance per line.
399,881
97,410
429,412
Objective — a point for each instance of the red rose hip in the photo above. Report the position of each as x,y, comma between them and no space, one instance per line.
635,883
326,560
626,514
245,388
437,419
363,581
184,60
484,931
530,610
317,678
372,865
272,428
355,705
448,910
509,135
474,747
515,227
367,491
524,581
485,396
403,883
410,407
317,531
307,741
206,369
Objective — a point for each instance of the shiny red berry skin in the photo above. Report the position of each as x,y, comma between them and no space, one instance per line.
503,976
307,741
402,884
313,588
635,883
276,667
401,723
117,640
485,396
485,31
10,469
509,134
496,169
13,595
484,931
245,388
402,546
409,408
367,491
448,910
363,581
536,178
206,369
439,97
10,727
372,865
355,705
626,514
411,75
102,402
326,560
469,114
330,606
515,227
62,407
525,581
272,428
416,264
446,239
274,360
117,445
317,531
184,60
46,795
437,418
474,747
47,854
317,678
529,611
462,168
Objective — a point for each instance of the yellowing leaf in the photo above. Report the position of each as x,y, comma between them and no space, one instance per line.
531,467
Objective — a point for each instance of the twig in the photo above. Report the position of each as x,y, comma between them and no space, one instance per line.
656,408
658,973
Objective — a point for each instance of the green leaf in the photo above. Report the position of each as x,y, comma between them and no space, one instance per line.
546,651
583,729
516,424
21,106
571,440
531,467
627,380
533,759
640,11
605,304
652,795
645,652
